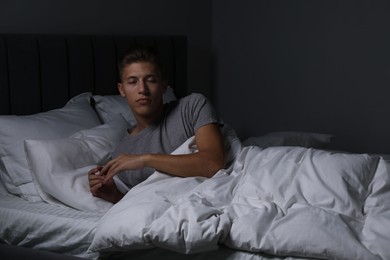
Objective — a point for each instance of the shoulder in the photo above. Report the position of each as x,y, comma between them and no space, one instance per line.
192,103
194,98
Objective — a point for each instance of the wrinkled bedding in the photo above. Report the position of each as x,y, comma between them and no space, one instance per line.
284,201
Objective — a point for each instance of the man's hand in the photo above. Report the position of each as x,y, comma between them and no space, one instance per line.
120,163
101,188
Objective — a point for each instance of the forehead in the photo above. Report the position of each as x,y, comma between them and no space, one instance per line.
139,69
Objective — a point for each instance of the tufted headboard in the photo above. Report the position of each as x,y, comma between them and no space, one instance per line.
42,72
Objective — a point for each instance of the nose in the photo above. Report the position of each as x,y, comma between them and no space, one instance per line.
142,87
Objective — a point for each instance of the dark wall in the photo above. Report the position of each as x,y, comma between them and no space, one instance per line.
191,18
318,66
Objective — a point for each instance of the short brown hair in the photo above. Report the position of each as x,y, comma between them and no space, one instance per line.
140,53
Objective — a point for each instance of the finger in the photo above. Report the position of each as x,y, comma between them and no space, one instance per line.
94,189
110,174
94,177
104,169
107,170
93,170
95,182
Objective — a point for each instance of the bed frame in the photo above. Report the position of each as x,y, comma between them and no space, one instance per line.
42,72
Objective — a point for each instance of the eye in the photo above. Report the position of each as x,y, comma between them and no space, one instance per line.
151,79
132,81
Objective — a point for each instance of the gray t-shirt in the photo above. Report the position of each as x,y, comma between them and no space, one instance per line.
179,122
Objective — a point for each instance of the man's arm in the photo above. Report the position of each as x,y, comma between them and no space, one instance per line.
206,162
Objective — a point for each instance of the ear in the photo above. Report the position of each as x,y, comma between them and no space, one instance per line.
120,89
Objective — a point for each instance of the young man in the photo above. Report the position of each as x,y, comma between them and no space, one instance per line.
160,129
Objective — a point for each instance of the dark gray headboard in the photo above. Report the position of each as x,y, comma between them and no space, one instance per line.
41,72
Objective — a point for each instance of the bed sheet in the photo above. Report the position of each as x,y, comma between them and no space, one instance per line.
47,227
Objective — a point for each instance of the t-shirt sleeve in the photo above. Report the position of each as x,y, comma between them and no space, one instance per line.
200,112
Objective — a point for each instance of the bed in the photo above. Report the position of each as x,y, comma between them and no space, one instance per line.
281,196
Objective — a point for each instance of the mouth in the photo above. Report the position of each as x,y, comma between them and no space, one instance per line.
143,101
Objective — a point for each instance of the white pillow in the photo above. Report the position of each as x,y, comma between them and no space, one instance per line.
76,115
60,166
110,105
303,139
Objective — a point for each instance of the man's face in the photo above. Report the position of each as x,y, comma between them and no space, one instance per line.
142,86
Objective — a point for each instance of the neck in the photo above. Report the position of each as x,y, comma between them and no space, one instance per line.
146,121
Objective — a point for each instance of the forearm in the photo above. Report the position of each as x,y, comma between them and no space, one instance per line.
186,165
206,162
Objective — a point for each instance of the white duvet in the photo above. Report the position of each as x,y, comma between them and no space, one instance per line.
285,201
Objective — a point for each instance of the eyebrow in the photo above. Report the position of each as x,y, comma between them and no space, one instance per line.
146,76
